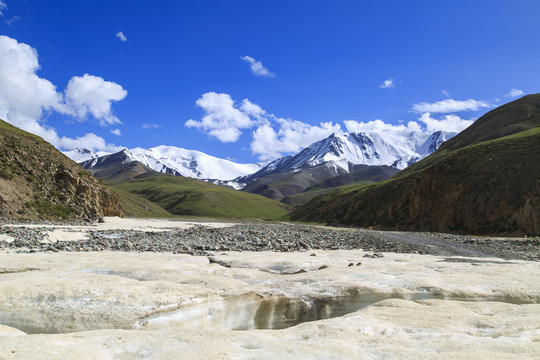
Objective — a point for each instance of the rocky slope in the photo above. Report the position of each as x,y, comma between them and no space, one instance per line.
38,182
478,182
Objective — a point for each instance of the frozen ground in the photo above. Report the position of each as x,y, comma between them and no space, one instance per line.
314,304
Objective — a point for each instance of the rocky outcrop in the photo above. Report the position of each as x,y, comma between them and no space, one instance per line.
38,182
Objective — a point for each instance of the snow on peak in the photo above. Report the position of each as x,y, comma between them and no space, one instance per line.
176,161
387,147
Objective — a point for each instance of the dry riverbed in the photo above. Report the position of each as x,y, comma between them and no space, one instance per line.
150,289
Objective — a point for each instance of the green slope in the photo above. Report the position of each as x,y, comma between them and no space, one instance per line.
487,187
303,197
137,206
186,196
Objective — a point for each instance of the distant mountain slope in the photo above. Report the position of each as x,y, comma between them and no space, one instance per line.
186,196
280,185
171,160
39,182
470,185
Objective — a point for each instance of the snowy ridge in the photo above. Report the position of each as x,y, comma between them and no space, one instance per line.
388,147
171,160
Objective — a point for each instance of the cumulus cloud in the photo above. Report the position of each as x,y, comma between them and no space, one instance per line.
90,94
116,132
450,105
223,118
257,67
291,136
388,83
449,123
121,36
151,126
514,93
25,98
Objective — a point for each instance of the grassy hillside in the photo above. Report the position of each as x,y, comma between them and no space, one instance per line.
186,196
490,187
137,206
303,197
299,186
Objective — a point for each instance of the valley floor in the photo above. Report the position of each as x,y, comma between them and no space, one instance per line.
205,236
153,289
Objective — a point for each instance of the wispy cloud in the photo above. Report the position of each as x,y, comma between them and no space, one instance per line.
116,132
151,126
449,106
3,7
121,36
514,93
257,67
13,20
388,83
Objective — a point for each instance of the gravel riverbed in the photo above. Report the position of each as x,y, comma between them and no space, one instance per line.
279,237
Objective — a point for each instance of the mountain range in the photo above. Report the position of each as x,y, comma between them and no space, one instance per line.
333,156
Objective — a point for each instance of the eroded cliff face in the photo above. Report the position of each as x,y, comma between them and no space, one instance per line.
38,182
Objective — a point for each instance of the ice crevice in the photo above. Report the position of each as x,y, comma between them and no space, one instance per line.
272,312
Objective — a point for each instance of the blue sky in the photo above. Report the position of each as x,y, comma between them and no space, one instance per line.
252,80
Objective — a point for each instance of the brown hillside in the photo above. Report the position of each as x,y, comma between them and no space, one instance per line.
38,182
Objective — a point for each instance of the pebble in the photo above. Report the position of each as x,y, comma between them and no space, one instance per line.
200,240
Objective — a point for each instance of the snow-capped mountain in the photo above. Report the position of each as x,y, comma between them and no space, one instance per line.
389,147
172,160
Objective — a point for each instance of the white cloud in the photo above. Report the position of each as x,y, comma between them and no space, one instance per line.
3,7
151,126
379,125
121,36
25,98
93,95
514,93
116,132
88,141
450,105
291,137
21,90
445,93
449,123
387,84
257,67
223,118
